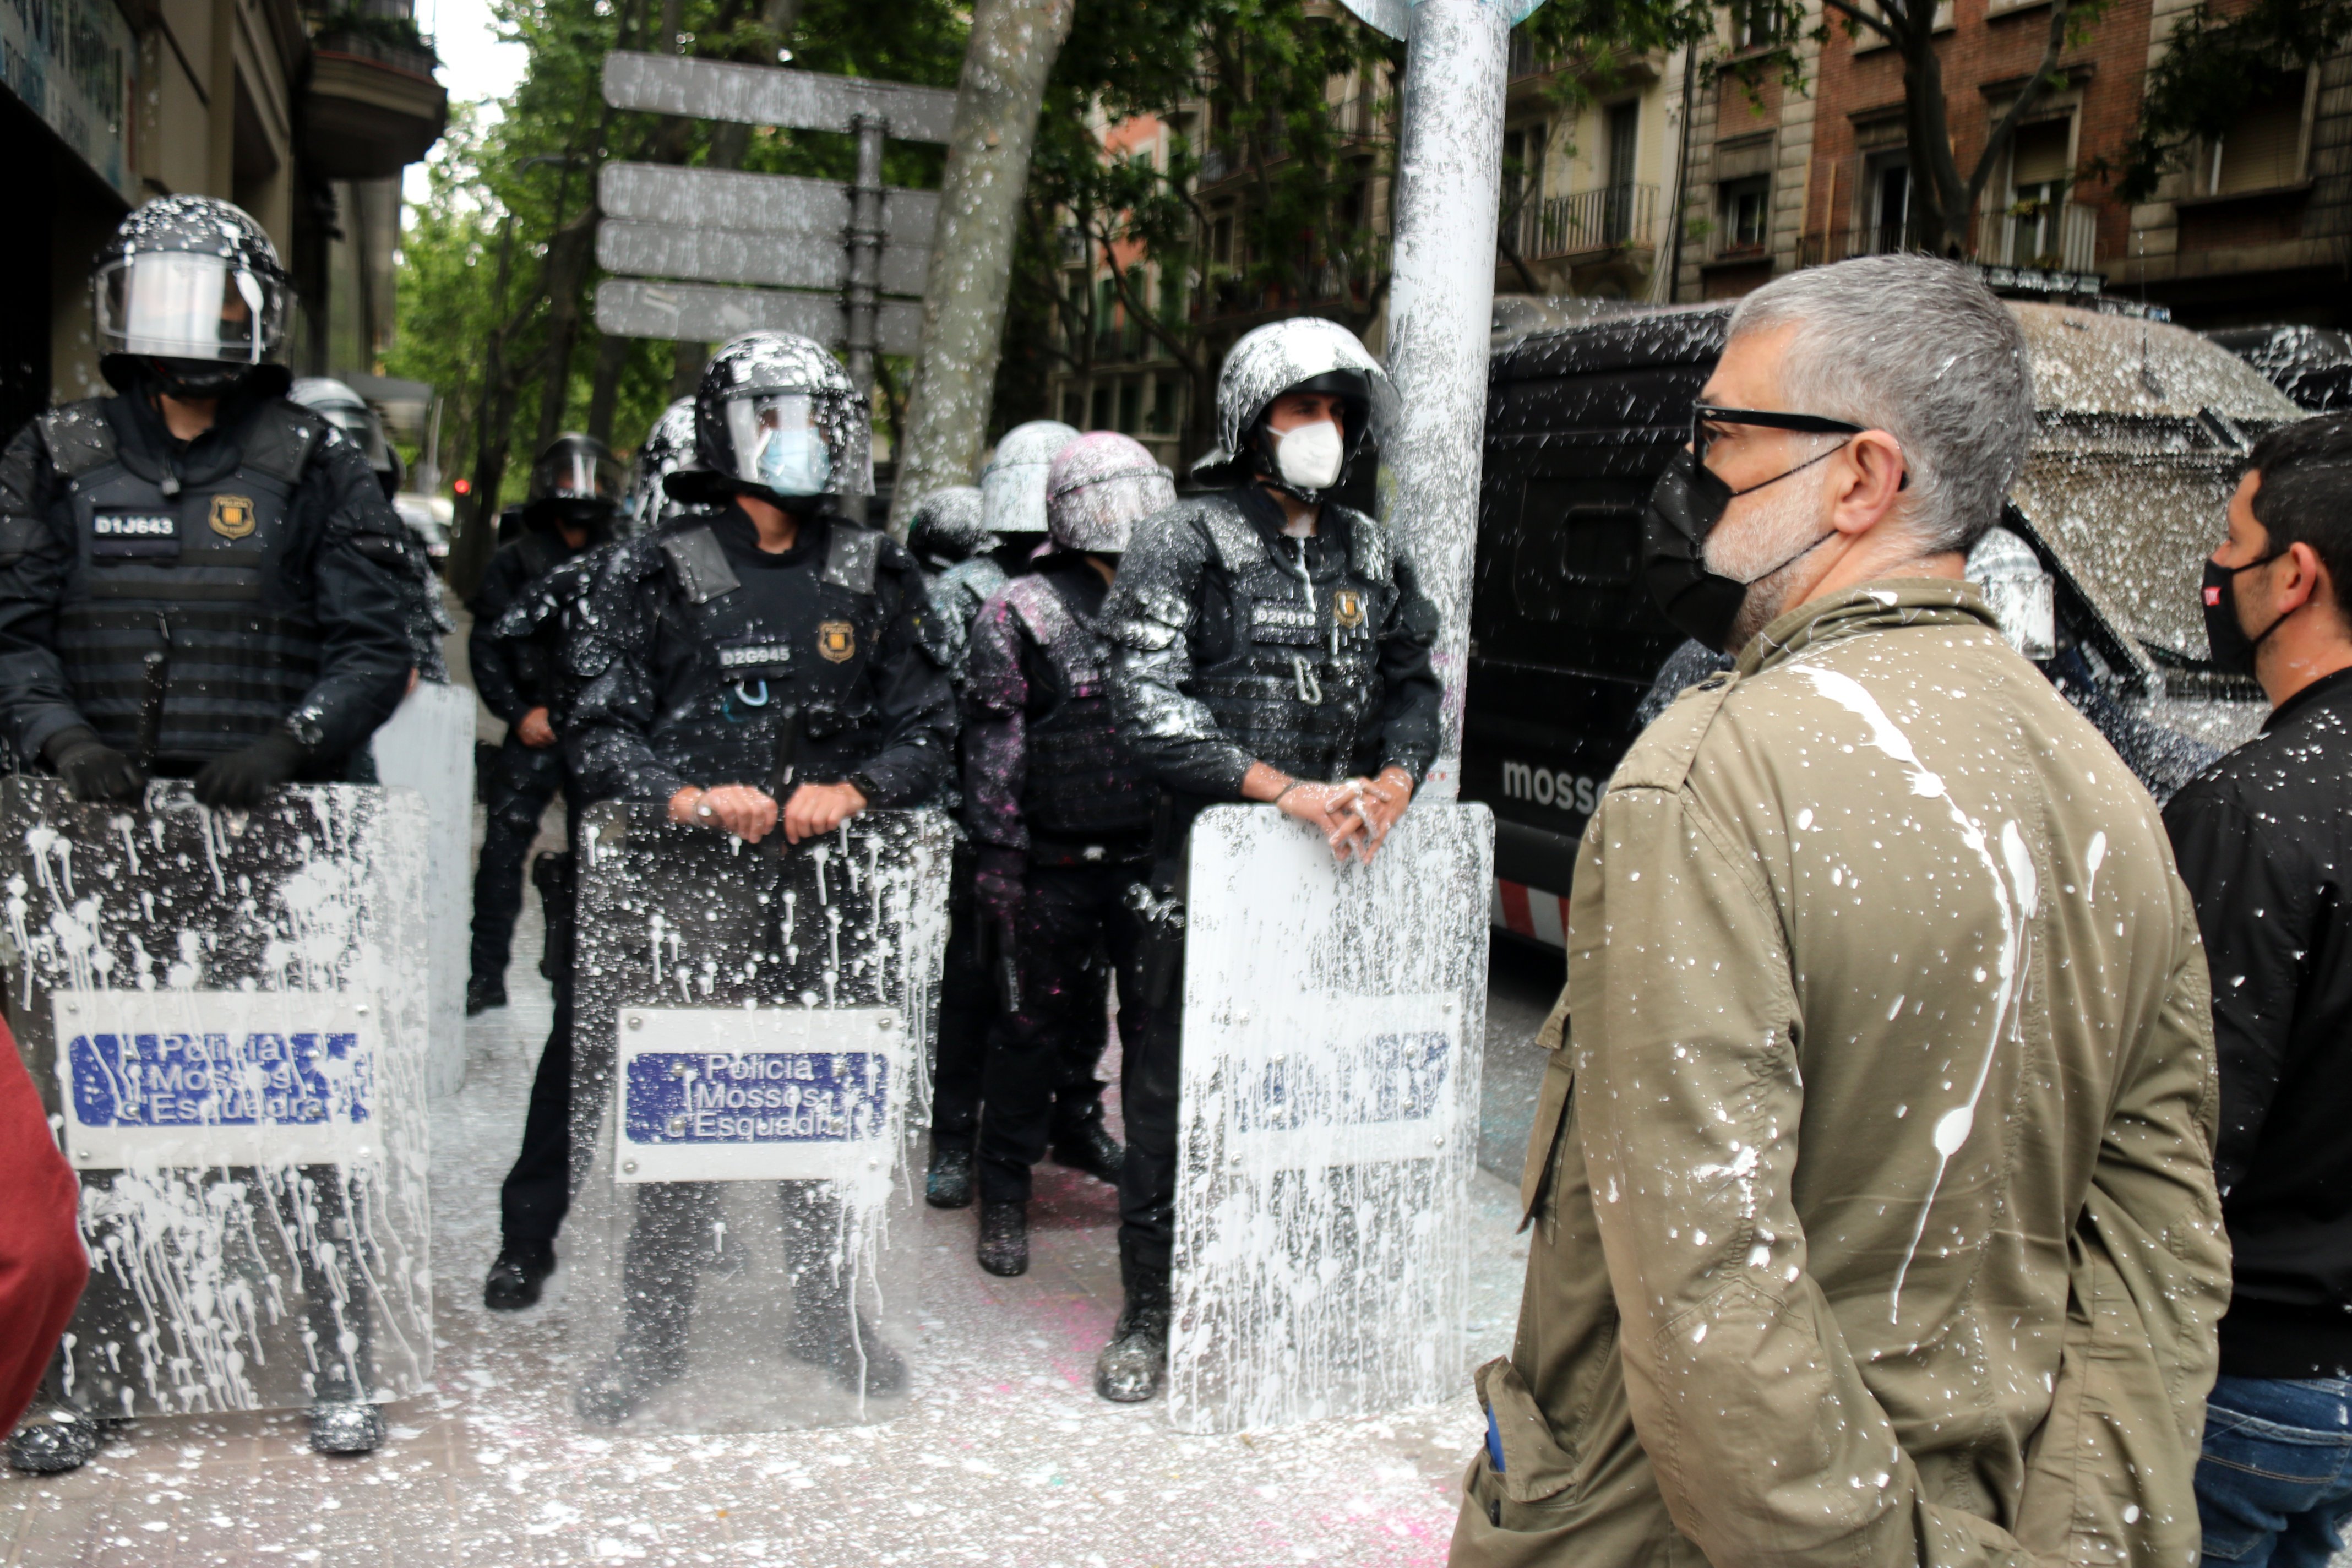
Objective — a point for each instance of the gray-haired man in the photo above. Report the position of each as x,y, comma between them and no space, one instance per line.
1874,1215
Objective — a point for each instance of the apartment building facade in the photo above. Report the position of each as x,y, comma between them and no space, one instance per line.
305,117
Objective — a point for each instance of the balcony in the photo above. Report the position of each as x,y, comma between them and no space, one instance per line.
1585,223
371,107
2051,238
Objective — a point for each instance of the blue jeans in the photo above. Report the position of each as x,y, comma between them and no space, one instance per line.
2276,1480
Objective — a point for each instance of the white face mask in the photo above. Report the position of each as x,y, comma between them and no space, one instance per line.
1309,456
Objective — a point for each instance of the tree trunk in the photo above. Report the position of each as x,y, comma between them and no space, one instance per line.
1012,48
569,255
605,393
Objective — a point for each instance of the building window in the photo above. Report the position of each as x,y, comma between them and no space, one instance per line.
1164,392
1171,296
1221,242
1887,203
1754,25
1625,122
1100,419
1074,408
2040,160
1131,408
2265,149
1746,221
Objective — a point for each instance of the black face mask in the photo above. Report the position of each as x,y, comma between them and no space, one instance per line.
1687,501
198,379
2225,634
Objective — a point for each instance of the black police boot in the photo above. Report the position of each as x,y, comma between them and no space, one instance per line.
1089,1146
515,1278
824,1333
618,1389
345,1427
1131,1368
948,1183
51,1442
482,994
1004,1248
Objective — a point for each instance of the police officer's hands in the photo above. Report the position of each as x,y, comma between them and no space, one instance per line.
817,809
241,780
999,883
1332,808
534,730
92,769
1382,801
747,812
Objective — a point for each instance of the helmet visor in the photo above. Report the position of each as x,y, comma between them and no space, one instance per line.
170,304
780,444
365,433
575,474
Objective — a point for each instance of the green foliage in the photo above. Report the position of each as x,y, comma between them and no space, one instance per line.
2217,66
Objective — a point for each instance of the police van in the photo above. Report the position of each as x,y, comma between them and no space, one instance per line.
2143,428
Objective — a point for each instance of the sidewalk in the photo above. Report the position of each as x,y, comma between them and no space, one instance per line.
1006,1455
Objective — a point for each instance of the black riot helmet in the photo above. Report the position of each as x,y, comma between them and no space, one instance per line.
576,482
947,527
190,288
348,412
776,418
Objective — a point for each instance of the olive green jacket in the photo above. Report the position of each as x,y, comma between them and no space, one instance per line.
1872,1182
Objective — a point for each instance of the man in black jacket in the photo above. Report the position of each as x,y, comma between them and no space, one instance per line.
574,503
756,616
2264,841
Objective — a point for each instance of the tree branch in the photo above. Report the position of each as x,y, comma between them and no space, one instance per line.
1875,24
2036,88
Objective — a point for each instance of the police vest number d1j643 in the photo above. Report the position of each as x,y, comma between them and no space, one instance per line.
1557,788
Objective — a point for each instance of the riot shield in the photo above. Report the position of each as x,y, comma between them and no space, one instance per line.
427,745
1334,1022
226,1013
750,1074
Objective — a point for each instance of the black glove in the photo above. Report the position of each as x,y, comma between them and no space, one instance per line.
240,780
91,768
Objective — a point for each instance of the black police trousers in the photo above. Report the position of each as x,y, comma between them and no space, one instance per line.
537,1193
1040,1082
524,779
971,1018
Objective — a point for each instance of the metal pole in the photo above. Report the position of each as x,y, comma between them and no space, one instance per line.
860,301
1440,310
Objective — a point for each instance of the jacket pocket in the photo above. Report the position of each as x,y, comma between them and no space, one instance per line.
1535,1467
1543,1136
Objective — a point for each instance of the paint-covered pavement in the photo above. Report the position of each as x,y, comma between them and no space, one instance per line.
1004,1456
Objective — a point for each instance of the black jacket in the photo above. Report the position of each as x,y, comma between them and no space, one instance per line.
672,640
342,583
513,675
2264,841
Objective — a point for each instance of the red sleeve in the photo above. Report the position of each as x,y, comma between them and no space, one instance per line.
42,1264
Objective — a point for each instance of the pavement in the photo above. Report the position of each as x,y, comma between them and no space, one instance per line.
1002,1456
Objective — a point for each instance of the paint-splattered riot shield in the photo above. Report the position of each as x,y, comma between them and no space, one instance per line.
752,1028
427,745
226,1013
1334,1020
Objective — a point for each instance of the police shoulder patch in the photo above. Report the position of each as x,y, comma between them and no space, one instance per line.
232,516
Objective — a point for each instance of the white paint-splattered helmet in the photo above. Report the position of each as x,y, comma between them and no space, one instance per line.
1012,486
1099,487
347,411
776,416
193,282
947,527
668,448
1305,353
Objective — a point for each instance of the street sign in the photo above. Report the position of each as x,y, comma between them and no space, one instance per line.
758,204
731,255
706,313
769,95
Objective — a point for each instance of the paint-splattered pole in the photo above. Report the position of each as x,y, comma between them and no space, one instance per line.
1441,302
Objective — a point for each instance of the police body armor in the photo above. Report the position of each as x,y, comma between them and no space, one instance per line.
1081,787
194,568
788,646
1302,678
534,656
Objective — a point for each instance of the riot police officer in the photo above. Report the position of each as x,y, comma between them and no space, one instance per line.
758,622
667,448
573,504
197,577
1059,816
1272,646
948,527
427,621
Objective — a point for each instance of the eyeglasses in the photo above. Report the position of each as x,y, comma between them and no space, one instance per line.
1704,414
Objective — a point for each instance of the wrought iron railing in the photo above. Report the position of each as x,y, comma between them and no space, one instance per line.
2054,237
1583,222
